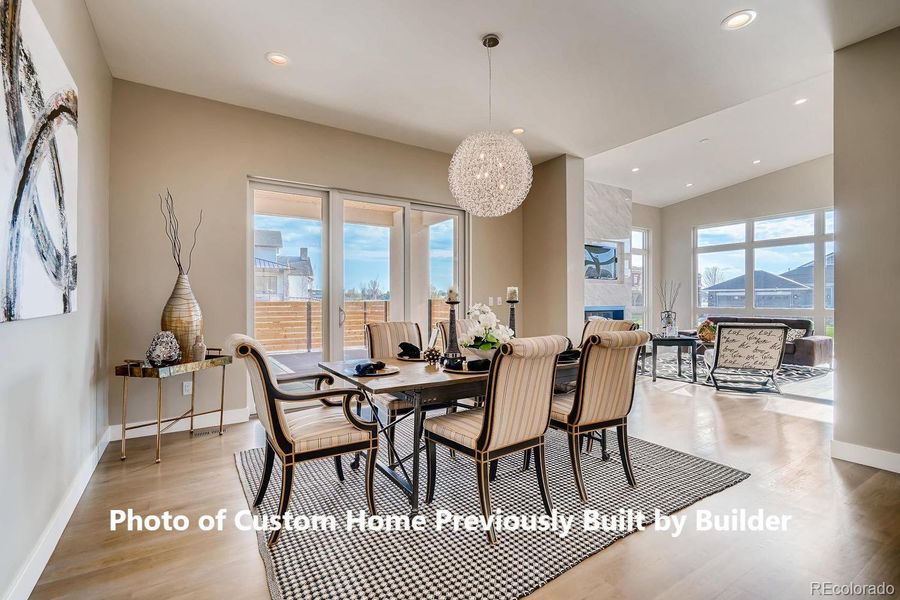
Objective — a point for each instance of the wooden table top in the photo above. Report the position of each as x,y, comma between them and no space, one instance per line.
144,369
412,376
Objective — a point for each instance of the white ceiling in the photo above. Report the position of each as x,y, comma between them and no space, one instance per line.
581,76
770,129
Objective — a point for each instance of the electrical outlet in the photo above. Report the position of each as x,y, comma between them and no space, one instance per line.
499,301
187,388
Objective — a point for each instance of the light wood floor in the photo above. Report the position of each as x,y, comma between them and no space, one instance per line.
845,527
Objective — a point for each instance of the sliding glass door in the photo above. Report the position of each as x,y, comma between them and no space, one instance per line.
326,262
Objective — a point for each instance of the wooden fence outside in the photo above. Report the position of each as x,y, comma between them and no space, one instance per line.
297,326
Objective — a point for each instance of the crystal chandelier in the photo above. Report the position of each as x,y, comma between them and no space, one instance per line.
490,172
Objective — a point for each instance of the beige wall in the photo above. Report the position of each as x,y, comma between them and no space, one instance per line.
650,218
553,235
867,206
53,369
203,152
806,186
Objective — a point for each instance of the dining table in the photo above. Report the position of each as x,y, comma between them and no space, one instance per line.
422,385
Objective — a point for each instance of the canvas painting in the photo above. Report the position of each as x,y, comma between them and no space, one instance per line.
600,261
38,170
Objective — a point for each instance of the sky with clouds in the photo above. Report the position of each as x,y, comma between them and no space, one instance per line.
366,249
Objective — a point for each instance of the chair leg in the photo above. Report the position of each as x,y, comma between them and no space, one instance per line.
354,464
339,468
266,475
526,461
484,496
540,467
493,471
575,459
604,455
370,478
590,443
450,411
431,466
622,433
287,480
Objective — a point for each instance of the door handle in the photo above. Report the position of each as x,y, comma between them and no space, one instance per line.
342,316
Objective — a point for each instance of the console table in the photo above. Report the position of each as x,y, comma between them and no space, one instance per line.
143,370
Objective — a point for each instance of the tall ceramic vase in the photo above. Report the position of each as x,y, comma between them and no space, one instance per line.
182,316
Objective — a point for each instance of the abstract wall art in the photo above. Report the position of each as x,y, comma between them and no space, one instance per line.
38,169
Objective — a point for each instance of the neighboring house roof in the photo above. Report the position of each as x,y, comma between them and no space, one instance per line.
805,274
300,265
267,238
762,280
262,263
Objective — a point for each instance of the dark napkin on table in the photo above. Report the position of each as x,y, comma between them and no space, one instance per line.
479,365
369,368
569,355
408,350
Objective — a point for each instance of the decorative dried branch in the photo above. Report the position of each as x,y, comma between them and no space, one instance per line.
171,226
668,293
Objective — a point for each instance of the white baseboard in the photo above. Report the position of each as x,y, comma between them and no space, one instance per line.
30,572
236,415
872,457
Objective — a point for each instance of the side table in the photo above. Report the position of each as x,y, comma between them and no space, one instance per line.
143,370
679,342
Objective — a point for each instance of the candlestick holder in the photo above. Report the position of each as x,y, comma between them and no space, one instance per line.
452,358
512,314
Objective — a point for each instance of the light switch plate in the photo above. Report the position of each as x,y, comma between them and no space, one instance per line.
490,300
187,387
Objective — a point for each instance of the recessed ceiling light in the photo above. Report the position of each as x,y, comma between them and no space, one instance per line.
635,170
756,162
277,58
738,20
704,141
518,131
689,185
799,101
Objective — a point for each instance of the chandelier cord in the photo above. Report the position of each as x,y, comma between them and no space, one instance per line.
490,89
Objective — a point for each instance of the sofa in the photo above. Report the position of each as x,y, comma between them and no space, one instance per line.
803,347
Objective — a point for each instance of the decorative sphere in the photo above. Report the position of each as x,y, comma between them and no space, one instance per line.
490,174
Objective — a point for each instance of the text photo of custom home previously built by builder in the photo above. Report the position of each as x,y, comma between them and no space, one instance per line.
428,300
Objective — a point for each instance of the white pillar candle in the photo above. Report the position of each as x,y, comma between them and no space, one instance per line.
512,294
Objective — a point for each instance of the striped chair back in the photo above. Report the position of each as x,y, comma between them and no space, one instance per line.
462,325
604,390
520,391
595,326
262,381
383,339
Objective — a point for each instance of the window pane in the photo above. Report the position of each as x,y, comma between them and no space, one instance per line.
829,274
829,326
433,261
637,280
784,227
829,221
723,234
720,279
288,267
784,277
637,239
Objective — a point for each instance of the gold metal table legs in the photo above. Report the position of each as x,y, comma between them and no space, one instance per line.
191,413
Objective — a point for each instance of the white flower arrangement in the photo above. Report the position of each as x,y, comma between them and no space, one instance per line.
488,333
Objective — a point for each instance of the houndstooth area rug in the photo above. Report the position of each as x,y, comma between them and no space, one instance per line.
667,368
460,564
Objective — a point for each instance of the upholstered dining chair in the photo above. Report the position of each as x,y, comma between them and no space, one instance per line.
462,325
514,418
604,392
595,326
383,341
321,430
